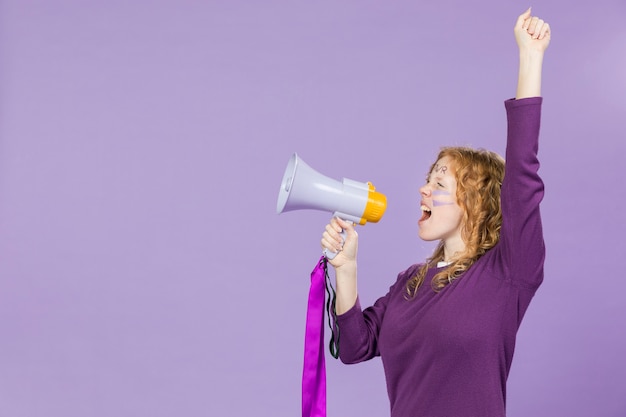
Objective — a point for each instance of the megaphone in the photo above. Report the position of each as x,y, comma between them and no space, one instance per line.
304,188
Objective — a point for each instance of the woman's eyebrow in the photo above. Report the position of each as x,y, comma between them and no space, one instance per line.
440,168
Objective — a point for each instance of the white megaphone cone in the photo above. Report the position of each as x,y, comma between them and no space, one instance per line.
303,188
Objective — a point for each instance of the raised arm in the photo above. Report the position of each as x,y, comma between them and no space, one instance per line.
521,237
533,37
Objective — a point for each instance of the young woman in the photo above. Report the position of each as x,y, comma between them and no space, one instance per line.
446,329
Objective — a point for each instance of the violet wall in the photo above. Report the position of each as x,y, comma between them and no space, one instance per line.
144,271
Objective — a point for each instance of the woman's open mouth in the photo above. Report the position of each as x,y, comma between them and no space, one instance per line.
425,213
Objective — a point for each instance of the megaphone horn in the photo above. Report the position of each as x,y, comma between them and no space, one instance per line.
304,188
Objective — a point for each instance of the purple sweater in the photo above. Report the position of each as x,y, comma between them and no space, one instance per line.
448,354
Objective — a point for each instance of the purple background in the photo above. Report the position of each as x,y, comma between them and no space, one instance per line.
144,270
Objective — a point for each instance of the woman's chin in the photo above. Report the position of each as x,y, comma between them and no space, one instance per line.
425,236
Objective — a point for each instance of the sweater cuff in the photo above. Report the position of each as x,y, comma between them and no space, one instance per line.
528,101
354,310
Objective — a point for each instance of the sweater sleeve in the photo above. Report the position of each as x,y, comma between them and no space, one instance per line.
357,330
521,237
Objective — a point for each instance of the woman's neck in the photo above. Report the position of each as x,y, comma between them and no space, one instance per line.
452,248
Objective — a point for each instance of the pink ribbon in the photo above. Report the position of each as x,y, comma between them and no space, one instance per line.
314,369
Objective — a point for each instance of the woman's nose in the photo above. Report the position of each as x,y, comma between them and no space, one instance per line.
425,190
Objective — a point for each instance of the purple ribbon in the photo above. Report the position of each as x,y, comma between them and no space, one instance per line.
314,369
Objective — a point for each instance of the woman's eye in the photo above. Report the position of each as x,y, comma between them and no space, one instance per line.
440,184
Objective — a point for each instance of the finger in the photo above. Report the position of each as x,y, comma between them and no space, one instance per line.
522,18
336,224
532,25
332,234
330,243
331,248
538,28
545,31
345,224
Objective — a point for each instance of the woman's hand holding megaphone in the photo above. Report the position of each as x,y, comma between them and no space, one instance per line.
344,261
340,240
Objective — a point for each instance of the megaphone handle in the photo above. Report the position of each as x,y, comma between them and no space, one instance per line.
331,255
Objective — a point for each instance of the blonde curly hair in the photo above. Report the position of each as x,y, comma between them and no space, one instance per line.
479,174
